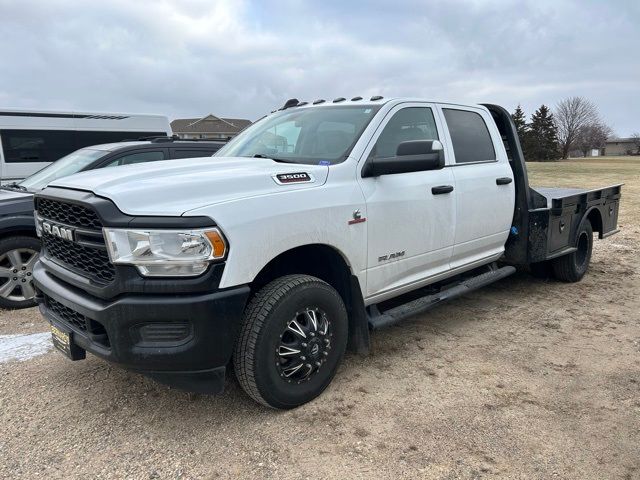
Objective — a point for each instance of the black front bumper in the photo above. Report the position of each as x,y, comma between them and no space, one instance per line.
112,329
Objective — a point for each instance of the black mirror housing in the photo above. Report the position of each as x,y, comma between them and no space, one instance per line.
412,156
418,147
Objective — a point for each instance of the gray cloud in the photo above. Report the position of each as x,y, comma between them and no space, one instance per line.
243,59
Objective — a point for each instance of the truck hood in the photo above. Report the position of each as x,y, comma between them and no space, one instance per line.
174,187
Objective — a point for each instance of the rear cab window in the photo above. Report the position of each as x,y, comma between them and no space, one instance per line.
470,136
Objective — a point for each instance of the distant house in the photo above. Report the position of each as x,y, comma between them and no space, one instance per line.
209,127
621,146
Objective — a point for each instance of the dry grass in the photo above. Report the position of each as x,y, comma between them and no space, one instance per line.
594,173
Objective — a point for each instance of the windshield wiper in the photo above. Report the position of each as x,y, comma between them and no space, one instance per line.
15,186
279,160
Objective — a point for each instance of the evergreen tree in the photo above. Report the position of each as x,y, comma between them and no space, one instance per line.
520,119
542,136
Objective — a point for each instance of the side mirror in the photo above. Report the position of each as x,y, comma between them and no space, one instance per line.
412,156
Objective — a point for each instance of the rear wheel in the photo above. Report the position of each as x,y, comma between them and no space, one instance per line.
572,267
293,337
17,257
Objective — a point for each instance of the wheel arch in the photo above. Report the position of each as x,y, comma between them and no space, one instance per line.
594,215
17,226
18,232
330,265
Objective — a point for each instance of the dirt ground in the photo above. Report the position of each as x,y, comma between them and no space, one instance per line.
525,379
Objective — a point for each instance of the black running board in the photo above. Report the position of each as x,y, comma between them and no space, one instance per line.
379,319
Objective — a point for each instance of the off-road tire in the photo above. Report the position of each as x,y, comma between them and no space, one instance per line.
572,267
265,318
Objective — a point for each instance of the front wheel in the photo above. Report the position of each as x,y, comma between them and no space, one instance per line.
17,257
293,337
572,267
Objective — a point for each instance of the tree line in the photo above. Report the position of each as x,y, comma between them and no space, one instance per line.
574,125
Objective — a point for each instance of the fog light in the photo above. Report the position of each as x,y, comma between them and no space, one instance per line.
164,334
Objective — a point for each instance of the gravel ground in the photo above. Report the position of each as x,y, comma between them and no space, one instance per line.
523,379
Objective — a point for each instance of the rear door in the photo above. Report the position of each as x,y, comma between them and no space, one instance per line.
410,228
484,185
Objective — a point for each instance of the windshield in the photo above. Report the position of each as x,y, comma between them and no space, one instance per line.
68,165
303,135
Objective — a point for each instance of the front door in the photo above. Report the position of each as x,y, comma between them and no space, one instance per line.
410,222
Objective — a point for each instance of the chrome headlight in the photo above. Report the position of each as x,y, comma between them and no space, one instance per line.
163,253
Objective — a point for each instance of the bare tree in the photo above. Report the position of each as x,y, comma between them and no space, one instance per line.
635,138
571,115
592,136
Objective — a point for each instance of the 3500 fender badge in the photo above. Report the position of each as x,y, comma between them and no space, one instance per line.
297,177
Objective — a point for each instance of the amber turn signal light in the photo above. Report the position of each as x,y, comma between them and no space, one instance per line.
219,247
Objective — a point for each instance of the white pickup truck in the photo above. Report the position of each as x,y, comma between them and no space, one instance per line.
314,226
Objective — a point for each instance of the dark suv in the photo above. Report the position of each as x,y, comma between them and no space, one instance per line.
19,245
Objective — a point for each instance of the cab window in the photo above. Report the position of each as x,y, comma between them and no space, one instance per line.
469,135
412,123
176,154
137,157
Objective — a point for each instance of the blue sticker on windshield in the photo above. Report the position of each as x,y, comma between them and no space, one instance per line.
324,162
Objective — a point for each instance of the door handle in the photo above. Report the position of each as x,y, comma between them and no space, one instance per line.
504,181
439,190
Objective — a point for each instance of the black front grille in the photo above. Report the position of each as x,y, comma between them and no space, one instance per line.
91,262
89,259
69,214
66,314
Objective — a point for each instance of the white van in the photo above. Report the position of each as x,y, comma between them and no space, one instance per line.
29,141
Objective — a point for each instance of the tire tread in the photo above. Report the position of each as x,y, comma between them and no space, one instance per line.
564,267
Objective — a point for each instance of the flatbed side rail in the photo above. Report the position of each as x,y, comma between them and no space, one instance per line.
589,198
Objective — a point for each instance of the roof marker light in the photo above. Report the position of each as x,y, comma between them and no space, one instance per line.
292,102
355,99
320,100
339,99
376,97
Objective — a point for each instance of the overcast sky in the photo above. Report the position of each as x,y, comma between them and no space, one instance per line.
242,59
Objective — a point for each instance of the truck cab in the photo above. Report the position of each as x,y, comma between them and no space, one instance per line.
315,225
